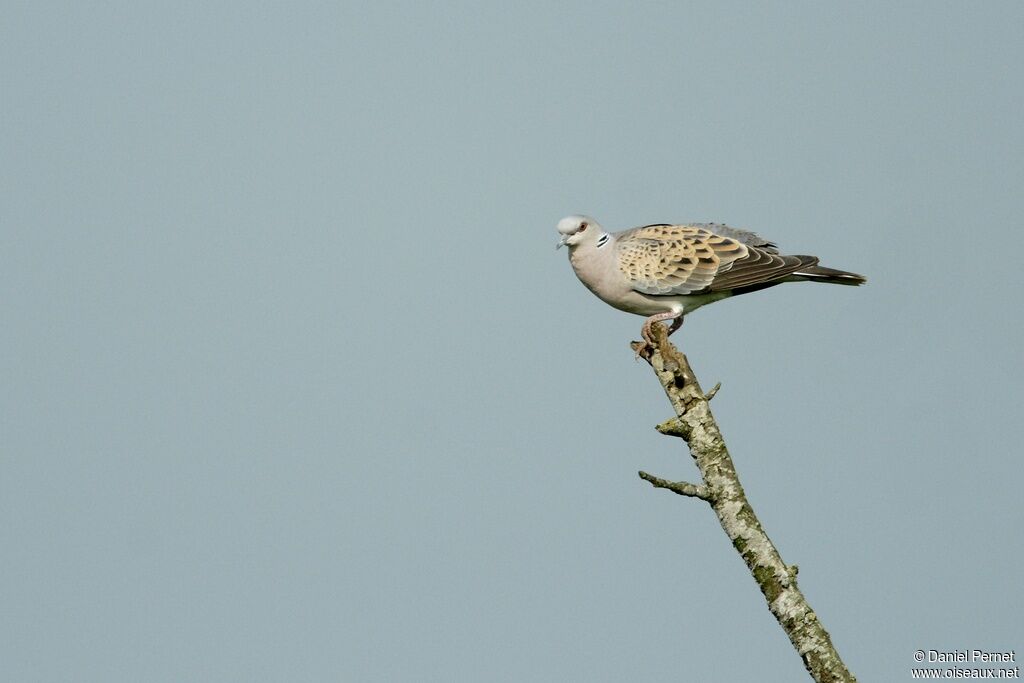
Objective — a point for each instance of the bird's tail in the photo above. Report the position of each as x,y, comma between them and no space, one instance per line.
831,275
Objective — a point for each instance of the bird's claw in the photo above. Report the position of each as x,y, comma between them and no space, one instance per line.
644,349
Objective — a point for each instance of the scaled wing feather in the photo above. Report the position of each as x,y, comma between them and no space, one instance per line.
676,260
751,239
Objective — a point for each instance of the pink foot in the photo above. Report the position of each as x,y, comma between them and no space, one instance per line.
647,333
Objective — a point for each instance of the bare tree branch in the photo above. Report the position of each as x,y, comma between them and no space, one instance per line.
721,488
683,488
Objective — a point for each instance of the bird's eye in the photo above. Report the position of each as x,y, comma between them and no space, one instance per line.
583,226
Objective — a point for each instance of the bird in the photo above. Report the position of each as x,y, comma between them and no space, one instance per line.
666,271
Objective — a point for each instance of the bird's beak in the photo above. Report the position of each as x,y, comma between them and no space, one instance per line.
561,242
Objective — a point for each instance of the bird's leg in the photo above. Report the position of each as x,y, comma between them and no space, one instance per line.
646,333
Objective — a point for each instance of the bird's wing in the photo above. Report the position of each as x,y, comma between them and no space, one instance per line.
665,260
751,239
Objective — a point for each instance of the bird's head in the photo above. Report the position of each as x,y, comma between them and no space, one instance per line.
576,230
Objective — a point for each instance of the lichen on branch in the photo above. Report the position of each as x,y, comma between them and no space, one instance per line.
721,489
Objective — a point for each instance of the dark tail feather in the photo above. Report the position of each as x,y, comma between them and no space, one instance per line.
830,275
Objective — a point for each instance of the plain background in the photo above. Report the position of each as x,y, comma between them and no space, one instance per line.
296,386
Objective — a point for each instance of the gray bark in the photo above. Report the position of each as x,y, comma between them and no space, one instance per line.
721,488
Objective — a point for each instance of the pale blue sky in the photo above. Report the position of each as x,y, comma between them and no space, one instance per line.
297,388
